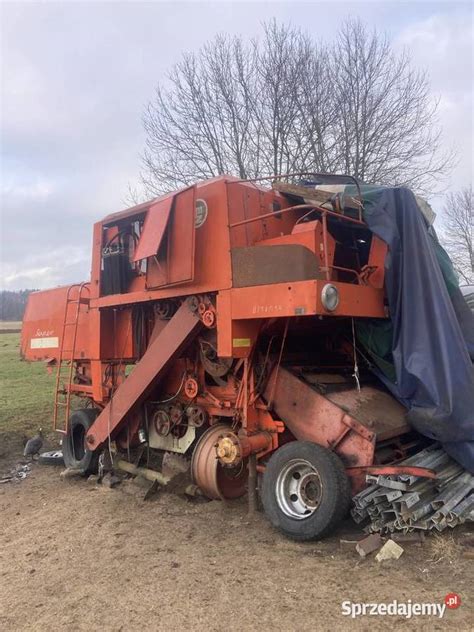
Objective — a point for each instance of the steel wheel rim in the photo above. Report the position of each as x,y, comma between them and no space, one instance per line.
213,479
298,489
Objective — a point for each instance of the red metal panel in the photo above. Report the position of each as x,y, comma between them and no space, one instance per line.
303,298
182,234
174,262
224,324
42,330
144,377
154,227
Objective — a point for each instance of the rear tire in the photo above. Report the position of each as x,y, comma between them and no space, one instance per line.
345,484
75,453
54,457
305,491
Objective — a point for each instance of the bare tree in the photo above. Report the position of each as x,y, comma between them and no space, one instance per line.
285,103
458,234
387,119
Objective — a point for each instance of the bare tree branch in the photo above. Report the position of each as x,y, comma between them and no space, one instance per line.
285,103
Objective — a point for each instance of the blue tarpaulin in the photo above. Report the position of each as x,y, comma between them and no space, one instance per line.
432,332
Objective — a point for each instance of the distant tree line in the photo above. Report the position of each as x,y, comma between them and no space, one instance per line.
12,304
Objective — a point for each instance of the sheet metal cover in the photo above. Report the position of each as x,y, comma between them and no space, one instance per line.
374,408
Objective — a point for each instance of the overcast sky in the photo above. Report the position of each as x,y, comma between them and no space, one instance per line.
75,77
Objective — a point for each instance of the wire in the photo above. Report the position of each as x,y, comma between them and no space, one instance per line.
170,399
270,400
355,375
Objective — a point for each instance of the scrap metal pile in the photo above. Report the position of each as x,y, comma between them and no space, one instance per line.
407,503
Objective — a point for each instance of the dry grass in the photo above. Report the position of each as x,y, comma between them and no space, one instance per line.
444,548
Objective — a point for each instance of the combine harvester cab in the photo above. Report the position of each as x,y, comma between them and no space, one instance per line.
217,332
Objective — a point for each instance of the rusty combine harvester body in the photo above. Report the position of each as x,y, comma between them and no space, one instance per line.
234,304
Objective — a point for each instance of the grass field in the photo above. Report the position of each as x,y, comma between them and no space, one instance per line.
26,390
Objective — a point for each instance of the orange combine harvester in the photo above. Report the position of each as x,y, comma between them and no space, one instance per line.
218,325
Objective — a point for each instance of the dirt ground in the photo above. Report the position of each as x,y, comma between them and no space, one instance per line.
78,556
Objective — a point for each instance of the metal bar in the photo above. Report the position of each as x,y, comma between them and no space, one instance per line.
322,174
325,246
144,472
298,207
252,483
421,472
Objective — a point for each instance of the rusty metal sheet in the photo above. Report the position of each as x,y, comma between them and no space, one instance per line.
373,407
392,470
312,417
280,263
377,410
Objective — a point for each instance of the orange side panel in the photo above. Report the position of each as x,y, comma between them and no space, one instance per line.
245,201
43,326
235,338
303,298
116,341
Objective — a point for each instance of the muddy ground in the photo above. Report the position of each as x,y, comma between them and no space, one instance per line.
77,556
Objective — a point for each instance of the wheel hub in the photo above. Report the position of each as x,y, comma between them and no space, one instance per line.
228,450
215,480
298,489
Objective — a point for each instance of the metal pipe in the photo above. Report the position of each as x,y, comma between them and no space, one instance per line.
252,483
144,472
320,174
298,207
251,444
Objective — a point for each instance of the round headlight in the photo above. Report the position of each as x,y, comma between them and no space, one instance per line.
330,297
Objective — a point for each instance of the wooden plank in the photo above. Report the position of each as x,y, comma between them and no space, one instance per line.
309,195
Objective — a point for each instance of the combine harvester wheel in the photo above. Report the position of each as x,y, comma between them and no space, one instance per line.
215,480
306,492
76,455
